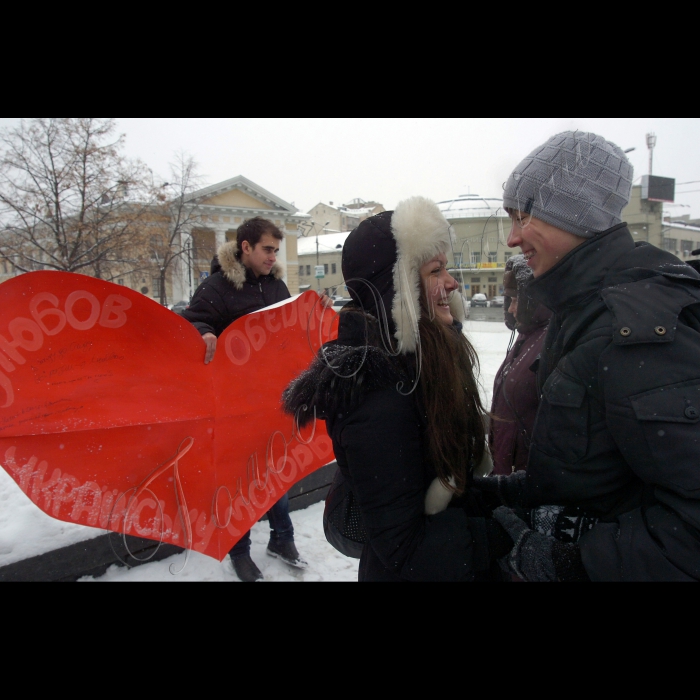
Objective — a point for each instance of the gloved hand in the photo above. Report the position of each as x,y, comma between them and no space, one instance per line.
536,557
509,489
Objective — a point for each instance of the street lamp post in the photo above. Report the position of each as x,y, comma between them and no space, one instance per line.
461,260
651,144
188,250
318,279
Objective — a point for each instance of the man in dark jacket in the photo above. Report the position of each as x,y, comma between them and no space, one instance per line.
611,488
246,278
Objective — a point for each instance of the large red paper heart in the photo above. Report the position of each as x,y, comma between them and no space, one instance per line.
110,418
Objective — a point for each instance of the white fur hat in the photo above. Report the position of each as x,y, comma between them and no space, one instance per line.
388,250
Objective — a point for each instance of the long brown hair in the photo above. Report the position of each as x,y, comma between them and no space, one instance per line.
449,367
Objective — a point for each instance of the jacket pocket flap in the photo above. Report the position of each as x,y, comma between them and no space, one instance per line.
562,391
670,404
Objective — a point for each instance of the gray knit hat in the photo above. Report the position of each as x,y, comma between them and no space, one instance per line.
576,181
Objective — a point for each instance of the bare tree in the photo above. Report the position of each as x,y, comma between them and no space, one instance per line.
172,220
69,199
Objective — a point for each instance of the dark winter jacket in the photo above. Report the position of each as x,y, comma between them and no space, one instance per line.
231,291
618,429
378,433
515,398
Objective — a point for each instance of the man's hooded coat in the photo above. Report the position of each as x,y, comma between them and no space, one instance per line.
231,291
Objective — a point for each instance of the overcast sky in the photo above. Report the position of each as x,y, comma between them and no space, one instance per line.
306,161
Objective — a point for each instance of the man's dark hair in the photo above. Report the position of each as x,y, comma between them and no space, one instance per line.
252,230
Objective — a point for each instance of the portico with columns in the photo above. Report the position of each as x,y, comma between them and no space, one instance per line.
221,209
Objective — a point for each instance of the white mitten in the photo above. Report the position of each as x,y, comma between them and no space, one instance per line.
437,497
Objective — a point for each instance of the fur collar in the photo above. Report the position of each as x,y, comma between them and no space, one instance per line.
234,270
337,379
344,370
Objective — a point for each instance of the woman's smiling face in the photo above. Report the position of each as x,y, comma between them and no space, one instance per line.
439,286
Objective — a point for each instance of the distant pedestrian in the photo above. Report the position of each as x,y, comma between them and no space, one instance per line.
515,398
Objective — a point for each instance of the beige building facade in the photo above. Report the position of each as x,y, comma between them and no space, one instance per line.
221,209
326,252
216,212
481,227
326,217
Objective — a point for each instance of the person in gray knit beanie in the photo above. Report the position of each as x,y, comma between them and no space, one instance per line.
610,489
576,181
570,189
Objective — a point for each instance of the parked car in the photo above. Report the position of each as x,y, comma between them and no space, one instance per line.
339,303
497,302
479,300
179,307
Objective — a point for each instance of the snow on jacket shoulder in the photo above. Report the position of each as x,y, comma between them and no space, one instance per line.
619,419
233,291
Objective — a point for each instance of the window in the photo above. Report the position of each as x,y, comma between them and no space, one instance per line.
476,258
325,268
458,260
476,280
686,247
332,268
156,287
671,244
507,255
120,281
492,279
493,257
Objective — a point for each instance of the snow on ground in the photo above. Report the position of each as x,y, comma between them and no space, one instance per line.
26,531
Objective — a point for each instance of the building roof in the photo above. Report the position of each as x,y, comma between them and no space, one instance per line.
471,206
256,191
681,225
327,243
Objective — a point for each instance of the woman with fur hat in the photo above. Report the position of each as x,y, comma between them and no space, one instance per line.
398,392
515,399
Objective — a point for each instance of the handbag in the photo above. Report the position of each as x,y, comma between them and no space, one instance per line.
342,519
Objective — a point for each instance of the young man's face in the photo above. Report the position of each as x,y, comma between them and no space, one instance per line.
542,244
261,258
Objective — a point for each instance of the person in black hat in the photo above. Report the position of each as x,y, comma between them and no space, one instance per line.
399,395
610,489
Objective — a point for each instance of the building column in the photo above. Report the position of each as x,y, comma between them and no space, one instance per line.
220,234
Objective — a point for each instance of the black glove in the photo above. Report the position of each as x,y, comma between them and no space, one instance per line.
510,489
538,557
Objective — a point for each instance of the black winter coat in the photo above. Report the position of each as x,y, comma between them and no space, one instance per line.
378,436
231,292
618,429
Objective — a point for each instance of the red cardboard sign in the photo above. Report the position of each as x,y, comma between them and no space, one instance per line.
110,418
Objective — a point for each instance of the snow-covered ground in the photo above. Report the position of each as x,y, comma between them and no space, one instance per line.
25,531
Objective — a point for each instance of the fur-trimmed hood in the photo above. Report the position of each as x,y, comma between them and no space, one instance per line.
381,265
343,371
234,270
